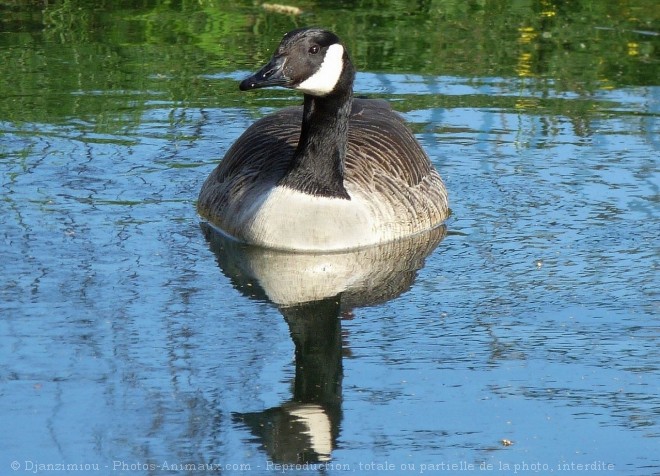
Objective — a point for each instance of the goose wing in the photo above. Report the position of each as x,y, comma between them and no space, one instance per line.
256,161
385,165
384,160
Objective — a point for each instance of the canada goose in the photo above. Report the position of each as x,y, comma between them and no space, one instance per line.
335,174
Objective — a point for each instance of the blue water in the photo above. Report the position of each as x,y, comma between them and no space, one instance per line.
527,342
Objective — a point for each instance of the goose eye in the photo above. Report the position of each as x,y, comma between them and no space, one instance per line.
314,49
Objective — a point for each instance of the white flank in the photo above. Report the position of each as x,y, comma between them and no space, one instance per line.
325,79
301,221
287,219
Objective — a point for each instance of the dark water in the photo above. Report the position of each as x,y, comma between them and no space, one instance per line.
135,341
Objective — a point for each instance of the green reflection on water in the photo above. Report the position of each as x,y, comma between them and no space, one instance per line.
64,58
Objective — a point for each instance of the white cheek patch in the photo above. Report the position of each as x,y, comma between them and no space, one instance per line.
325,79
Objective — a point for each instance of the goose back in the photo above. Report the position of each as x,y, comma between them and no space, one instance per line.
394,189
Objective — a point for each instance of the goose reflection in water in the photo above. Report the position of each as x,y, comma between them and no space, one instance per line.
312,291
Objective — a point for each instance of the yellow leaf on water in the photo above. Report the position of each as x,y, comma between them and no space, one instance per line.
285,9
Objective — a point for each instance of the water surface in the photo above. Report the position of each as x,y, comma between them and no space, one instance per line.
134,340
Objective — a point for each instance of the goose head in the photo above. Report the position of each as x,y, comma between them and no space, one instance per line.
309,60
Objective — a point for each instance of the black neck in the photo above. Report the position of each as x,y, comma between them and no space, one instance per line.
317,167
